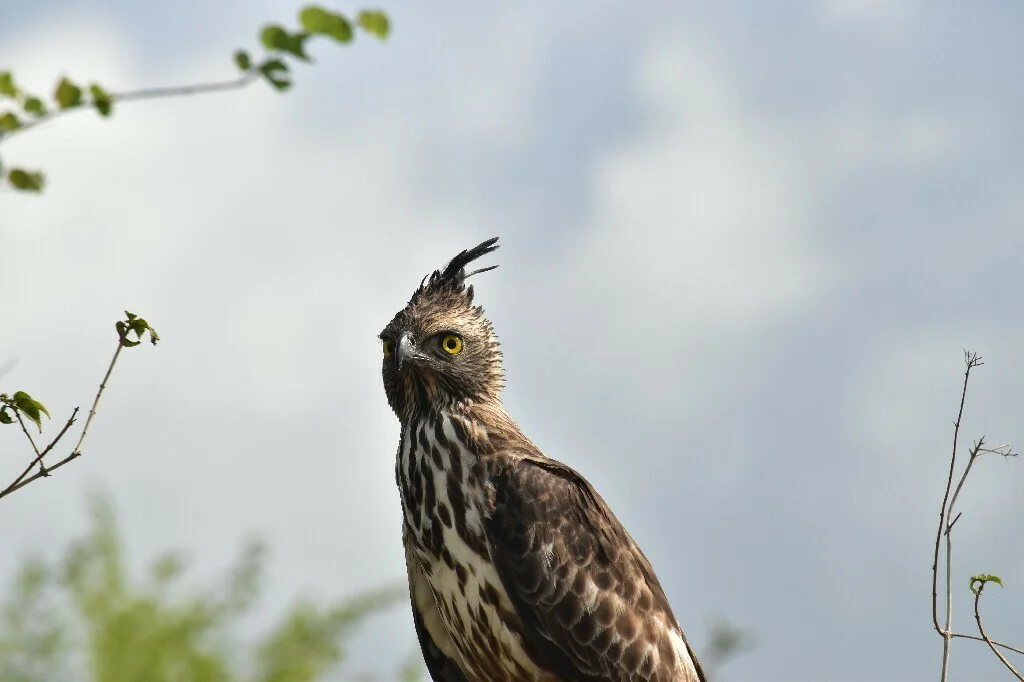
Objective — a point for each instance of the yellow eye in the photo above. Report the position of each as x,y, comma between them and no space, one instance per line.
452,344
389,347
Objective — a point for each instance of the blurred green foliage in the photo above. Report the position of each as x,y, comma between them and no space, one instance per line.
83,617
726,643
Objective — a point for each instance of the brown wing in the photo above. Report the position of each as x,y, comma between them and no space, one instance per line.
590,603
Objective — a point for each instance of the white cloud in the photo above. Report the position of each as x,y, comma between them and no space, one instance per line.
702,216
872,12
865,135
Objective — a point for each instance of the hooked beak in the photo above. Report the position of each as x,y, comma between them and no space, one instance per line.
406,350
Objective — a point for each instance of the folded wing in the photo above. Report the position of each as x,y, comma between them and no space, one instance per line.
591,606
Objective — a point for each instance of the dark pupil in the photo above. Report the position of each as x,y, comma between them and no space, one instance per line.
450,343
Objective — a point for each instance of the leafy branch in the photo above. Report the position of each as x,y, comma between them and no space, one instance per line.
945,530
21,408
981,581
29,111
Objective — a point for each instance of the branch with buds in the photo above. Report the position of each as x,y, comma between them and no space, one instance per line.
947,520
22,409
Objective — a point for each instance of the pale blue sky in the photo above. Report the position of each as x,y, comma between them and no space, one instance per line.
743,247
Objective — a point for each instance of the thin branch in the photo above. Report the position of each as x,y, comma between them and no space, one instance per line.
43,470
24,429
138,95
39,474
958,635
973,455
972,360
24,479
949,528
96,400
977,617
1001,450
71,420
946,528
946,639
186,90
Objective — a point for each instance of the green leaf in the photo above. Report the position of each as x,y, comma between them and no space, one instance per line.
31,408
27,181
32,414
67,94
5,417
22,399
375,22
101,99
140,327
9,122
276,72
137,325
34,106
242,60
317,20
274,37
7,86
983,578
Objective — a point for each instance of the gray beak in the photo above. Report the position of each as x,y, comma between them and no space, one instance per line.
406,350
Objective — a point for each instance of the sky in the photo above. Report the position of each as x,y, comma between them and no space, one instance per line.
744,245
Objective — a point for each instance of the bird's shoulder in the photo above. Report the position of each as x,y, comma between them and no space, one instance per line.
531,493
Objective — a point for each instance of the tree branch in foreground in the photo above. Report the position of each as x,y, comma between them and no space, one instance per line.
25,408
945,530
981,580
29,111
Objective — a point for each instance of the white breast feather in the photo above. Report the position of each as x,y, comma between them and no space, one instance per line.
462,601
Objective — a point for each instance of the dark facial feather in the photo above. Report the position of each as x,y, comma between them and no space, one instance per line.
431,379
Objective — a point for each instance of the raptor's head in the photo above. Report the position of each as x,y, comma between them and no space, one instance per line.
440,351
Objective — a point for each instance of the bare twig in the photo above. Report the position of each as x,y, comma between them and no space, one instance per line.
946,639
96,400
39,474
991,645
974,453
948,533
137,95
71,420
186,90
958,635
43,470
972,360
945,528
24,429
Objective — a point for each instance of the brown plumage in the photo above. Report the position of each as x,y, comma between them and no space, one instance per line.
518,570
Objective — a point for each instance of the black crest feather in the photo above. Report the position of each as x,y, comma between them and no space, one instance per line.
454,275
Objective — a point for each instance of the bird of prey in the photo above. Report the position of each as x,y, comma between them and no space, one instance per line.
518,570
